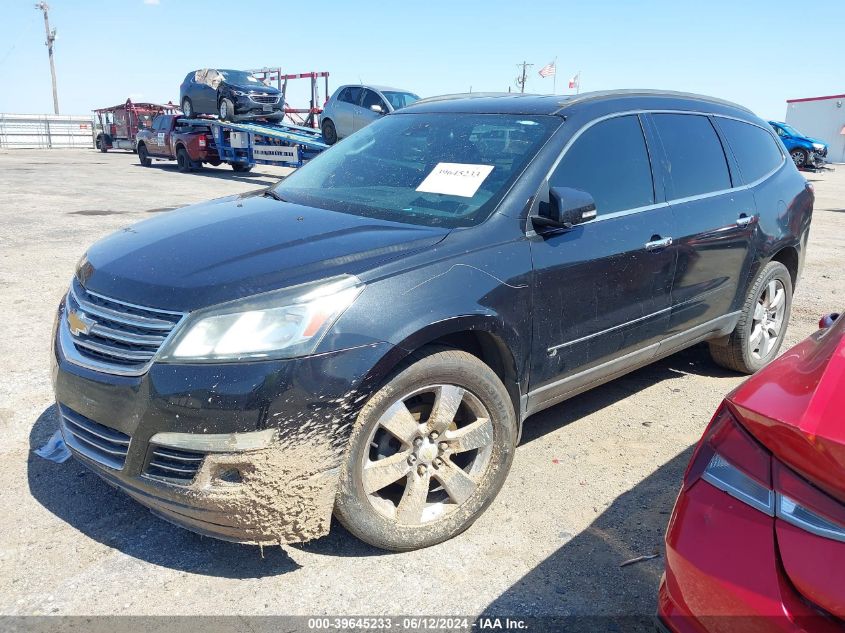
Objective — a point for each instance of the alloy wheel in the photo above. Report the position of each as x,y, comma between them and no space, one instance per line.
798,158
427,454
768,318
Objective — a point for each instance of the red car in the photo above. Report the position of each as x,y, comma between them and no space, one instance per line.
756,541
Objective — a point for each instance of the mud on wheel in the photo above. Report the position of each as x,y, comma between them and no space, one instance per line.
430,452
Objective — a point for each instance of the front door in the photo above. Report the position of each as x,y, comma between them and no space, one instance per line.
602,290
364,115
714,219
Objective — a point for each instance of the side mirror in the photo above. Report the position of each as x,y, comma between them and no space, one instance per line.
377,108
566,208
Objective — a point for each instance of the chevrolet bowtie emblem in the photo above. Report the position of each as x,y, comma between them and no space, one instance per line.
79,322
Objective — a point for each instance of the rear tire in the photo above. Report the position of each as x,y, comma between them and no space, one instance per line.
329,132
226,110
102,143
433,484
762,325
144,156
241,168
187,107
183,161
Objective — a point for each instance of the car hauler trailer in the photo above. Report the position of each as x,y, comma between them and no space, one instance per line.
308,117
243,145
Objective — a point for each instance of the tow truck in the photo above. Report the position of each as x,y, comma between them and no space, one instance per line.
117,126
194,142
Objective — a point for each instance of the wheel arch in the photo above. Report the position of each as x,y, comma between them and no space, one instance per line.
479,335
789,257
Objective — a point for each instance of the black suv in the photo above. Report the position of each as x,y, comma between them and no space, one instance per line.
233,95
368,336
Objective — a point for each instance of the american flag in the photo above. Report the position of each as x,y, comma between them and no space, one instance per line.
548,70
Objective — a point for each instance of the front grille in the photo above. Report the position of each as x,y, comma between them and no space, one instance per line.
172,464
264,98
100,443
115,333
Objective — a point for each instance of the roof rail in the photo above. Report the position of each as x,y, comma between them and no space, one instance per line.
645,92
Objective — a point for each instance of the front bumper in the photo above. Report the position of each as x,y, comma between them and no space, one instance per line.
246,107
723,572
279,486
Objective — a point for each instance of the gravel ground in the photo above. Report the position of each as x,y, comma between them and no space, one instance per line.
592,483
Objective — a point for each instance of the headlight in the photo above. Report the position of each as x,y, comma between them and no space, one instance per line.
238,93
280,324
819,146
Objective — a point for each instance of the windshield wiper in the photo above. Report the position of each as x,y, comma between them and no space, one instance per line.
269,193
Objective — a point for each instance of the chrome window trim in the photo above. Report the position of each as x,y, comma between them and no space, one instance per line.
703,196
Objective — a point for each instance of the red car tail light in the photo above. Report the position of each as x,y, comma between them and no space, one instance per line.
730,459
201,141
805,506
726,441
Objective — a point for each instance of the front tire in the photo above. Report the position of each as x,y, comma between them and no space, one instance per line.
329,132
241,168
800,157
226,110
430,451
762,325
144,156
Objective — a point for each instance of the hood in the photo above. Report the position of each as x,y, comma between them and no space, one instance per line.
261,89
239,246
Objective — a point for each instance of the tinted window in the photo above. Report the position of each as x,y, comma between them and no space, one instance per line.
353,95
400,99
697,161
756,151
396,168
371,99
610,162
343,95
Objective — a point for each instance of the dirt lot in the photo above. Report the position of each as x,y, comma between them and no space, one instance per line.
592,484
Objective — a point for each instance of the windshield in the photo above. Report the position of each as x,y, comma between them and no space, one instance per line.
434,169
790,130
240,78
400,99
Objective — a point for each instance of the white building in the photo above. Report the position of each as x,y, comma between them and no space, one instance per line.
822,118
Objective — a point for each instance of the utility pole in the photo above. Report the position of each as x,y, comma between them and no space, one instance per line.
520,80
51,37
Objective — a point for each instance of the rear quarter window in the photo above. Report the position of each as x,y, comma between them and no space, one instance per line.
696,161
755,149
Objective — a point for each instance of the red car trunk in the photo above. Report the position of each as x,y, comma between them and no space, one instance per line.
796,409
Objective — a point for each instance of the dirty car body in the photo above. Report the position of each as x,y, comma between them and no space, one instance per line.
365,265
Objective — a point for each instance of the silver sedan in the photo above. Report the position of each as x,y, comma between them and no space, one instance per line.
352,107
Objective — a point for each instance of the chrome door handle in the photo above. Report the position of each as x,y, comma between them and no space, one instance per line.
744,220
656,245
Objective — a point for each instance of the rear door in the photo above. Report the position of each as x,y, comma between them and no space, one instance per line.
714,217
347,102
602,289
203,96
364,115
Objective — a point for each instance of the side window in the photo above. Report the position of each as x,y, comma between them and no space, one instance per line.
756,151
157,123
610,162
354,95
696,158
371,98
343,95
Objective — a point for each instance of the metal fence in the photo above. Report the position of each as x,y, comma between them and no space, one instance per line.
44,131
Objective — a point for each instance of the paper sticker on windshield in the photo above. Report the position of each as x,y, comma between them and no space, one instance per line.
455,179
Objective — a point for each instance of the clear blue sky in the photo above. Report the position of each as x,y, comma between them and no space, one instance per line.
758,53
